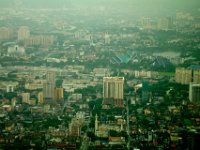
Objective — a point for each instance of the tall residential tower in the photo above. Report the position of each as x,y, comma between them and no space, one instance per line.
49,88
113,91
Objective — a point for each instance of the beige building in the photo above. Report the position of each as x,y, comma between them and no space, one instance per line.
196,76
46,108
40,98
25,97
102,130
75,127
36,109
165,23
40,40
113,91
5,33
13,102
32,102
23,33
59,93
183,75
144,74
187,75
146,23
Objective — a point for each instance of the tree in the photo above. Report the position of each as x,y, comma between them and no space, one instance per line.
91,135
10,95
113,133
59,83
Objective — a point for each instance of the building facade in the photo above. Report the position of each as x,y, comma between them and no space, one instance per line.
75,127
49,88
40,98
196,75
187,75
194,93
23,33
25,97
59,93
44,40
16,50
5,33
113,91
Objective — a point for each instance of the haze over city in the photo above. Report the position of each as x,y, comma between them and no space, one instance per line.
153,7
100,74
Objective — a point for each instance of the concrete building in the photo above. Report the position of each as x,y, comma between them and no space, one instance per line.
196,76
188,75
40,40
32,102
16,50
183,75
99,73
36,109
145,23
40,98
9,88
183,19
106,38
13,102
76,97
23,33
102,129
165,23
25,97
75,127
36,84
194,93
113,91
59,93
49,88
143,74
5,33
46,108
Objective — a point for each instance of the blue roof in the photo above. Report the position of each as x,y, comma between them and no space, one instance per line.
161,61
124,58
194,67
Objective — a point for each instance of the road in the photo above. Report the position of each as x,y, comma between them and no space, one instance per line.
85,142
128,127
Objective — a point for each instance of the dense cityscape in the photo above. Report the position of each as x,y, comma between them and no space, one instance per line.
91,78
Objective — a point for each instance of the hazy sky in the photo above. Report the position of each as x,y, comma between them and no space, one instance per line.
132,6
46,3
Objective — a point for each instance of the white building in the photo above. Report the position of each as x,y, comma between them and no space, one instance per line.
16,50
8,86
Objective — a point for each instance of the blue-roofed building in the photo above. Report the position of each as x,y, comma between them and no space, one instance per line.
121,57
161,61
194,67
